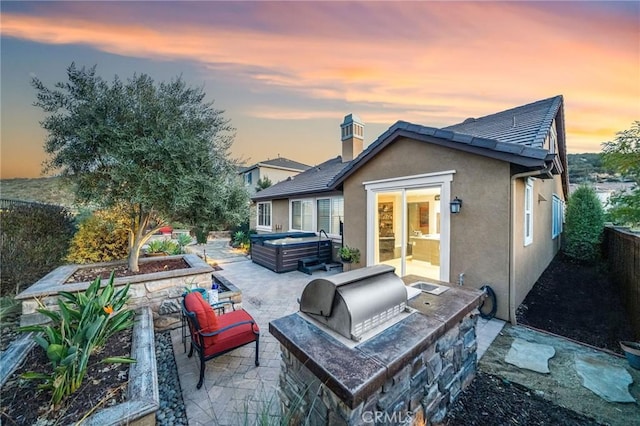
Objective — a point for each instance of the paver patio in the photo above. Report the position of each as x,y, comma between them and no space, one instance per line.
235,391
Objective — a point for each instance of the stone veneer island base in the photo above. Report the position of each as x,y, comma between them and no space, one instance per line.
412,370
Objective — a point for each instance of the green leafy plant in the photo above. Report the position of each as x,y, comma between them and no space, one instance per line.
184,240
201,235
34,239
101,237
241,240
623,156
9,308
84,323
161,150
156,246
584,225
171,247
349,254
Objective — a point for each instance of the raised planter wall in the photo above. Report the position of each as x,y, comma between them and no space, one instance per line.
159,291
143,398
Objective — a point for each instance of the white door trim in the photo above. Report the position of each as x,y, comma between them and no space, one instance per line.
443,180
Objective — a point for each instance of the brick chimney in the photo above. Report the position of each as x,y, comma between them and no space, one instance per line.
352,136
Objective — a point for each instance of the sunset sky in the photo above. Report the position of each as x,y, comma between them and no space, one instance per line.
286,73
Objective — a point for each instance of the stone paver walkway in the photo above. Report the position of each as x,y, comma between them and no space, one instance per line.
563,385
235,392
217,251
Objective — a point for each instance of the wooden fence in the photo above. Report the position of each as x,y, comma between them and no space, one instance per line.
622,251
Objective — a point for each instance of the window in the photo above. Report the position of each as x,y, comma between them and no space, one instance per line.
528,212
247,178
557,216
264,215
330,212
302,215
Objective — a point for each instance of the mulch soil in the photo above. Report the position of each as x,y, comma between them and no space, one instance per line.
570,299
490,400
578,301
161,265
104,385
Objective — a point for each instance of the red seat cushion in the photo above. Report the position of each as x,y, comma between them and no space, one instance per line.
210,322
235,336
207,318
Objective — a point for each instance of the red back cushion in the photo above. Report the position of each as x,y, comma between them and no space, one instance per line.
206,316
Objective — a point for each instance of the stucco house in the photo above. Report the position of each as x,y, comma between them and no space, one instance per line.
477,203
277,170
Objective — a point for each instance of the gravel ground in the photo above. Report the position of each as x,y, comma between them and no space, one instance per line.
171,410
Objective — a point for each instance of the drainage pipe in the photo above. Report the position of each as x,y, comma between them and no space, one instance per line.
512,251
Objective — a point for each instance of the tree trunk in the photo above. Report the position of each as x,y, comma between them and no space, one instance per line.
137,238
134,255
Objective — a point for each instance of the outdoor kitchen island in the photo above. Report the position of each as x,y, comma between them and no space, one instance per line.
412,369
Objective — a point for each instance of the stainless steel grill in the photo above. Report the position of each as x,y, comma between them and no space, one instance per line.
354,302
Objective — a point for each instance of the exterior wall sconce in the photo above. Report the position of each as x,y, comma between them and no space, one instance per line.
455,205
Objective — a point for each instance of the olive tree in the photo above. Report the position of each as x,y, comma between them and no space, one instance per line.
623,155
158,151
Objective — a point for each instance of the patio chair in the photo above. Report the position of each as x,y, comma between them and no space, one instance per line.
214,335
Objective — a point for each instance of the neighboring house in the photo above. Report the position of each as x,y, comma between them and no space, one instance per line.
509,169
276,170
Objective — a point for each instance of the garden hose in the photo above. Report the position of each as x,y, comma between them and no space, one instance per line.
491,295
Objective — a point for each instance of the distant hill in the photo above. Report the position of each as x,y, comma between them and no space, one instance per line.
49,190
588,167
585,167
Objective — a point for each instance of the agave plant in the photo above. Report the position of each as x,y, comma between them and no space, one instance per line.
155,246
83,324
184,240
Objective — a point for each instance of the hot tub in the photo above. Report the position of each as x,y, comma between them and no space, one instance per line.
282,254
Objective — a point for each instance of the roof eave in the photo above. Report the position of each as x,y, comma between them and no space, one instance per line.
292,195
535,160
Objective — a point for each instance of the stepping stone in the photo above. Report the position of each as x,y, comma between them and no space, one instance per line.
608,382
532,356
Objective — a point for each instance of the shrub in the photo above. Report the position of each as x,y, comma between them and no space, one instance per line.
101,237
84,323
584,225
201,235
33,241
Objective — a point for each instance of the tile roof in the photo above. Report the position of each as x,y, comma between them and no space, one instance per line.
279,162
314,180
493,136
527,125
516,135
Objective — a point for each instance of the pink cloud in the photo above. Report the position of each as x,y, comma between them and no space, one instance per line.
468,59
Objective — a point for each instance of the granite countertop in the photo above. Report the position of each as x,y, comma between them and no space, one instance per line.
354,373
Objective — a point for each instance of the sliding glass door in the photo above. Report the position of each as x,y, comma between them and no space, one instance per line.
408,224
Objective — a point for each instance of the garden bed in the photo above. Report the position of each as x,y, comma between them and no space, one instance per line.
104,385
122,270
578,301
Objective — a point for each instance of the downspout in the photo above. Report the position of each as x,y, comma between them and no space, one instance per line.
512,251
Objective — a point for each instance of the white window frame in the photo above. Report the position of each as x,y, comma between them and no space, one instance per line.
264,227
528,212
557,216
248,178
313,214
330,232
